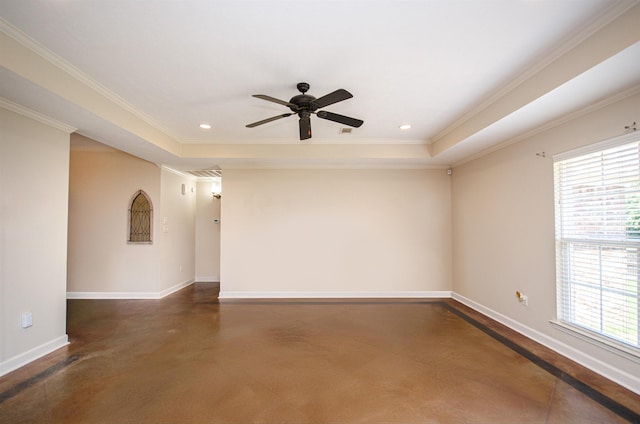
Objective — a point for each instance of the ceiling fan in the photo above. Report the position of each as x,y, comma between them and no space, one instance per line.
304,105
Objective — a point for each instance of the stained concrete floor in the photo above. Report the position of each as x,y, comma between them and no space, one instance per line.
189,359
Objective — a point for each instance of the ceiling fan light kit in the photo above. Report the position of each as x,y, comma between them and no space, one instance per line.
304,105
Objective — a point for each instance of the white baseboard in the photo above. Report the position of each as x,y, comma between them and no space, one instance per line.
173,289
113,295
31,355
207,279
331,294
129,295
622,378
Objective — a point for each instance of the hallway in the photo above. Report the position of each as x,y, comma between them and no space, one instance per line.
189,359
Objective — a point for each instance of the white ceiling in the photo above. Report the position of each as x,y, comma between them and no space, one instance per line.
433,64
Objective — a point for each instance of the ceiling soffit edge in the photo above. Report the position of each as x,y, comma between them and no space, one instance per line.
57,61
328,165
331,142
36,116
573,41
552,124
307,151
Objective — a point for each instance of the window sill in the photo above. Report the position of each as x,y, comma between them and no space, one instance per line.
612,346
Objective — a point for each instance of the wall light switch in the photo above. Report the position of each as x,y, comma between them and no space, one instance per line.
27,320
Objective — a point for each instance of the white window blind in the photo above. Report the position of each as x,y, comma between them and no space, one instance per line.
597,194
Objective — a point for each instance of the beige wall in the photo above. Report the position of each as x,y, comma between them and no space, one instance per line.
34,170
102,183
503,230
176,234
314,231
101,262
207,234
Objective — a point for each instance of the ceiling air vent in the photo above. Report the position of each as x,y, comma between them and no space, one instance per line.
345,130
205,173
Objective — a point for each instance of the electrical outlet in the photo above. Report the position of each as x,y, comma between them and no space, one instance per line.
26,320
522,298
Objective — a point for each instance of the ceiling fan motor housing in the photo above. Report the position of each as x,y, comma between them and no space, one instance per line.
303,102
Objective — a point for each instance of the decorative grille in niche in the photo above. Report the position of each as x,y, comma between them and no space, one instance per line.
140,219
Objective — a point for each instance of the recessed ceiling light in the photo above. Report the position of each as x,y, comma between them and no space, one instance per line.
405,126
205,126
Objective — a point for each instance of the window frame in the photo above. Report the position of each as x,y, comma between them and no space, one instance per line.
560,322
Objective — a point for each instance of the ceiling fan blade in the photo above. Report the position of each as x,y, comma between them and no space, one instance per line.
264,121
274,100
331,98
352,122
305,128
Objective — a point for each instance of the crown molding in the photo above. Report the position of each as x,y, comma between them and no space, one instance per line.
341,141
178,173
554,123
328,166
51,57
36,116
573,41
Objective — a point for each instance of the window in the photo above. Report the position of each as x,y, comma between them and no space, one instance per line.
597,192
140,211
